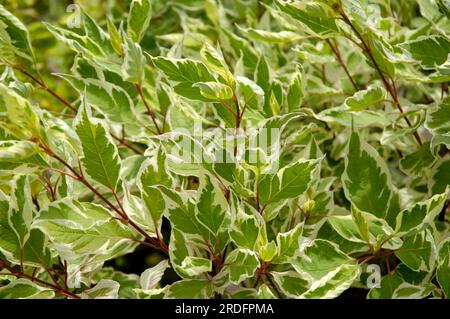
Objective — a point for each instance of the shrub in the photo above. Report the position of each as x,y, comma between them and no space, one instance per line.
266,149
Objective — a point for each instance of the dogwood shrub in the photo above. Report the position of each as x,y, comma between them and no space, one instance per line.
266,149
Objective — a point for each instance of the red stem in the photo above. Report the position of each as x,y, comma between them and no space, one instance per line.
56,288
390,88
147,106
342,63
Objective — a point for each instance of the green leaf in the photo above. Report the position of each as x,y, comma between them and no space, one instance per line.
242,48
21,208
214,60
96,38
335,283
114,35
363,99
444,7
17,151
437,122
153,175
107,98
139,19
245,231
183,217
10,244
271,37
239,265
290,182
154,171
264,292
17,34
139,212
133,68
89,39
361,220
211,206
420,215
443,268
408,291
296,91
382,55
36,250
274,105
440,178
214,90
263,76
367,181
320,258
317,17
101,159
419,160
342,115
329,270
77,229
150,294
268,251
156,204
190,289
429,9
249,93
194,266
291,283
362,227
17,117
128,282
429,51
180,249
151,277
186,73
25,289
401,283
418,251
288,244
104,289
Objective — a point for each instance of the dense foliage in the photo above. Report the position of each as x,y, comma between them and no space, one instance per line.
264,149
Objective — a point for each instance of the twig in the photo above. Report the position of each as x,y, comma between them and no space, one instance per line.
119,211
125,143
44,86
222,102
56,288
389,87
274,286
342,63
147,106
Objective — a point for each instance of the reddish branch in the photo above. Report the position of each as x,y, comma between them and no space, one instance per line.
388,83
158,243
337,53
44,86
147,106
381,253
120,211
122,141
263,272
55,286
